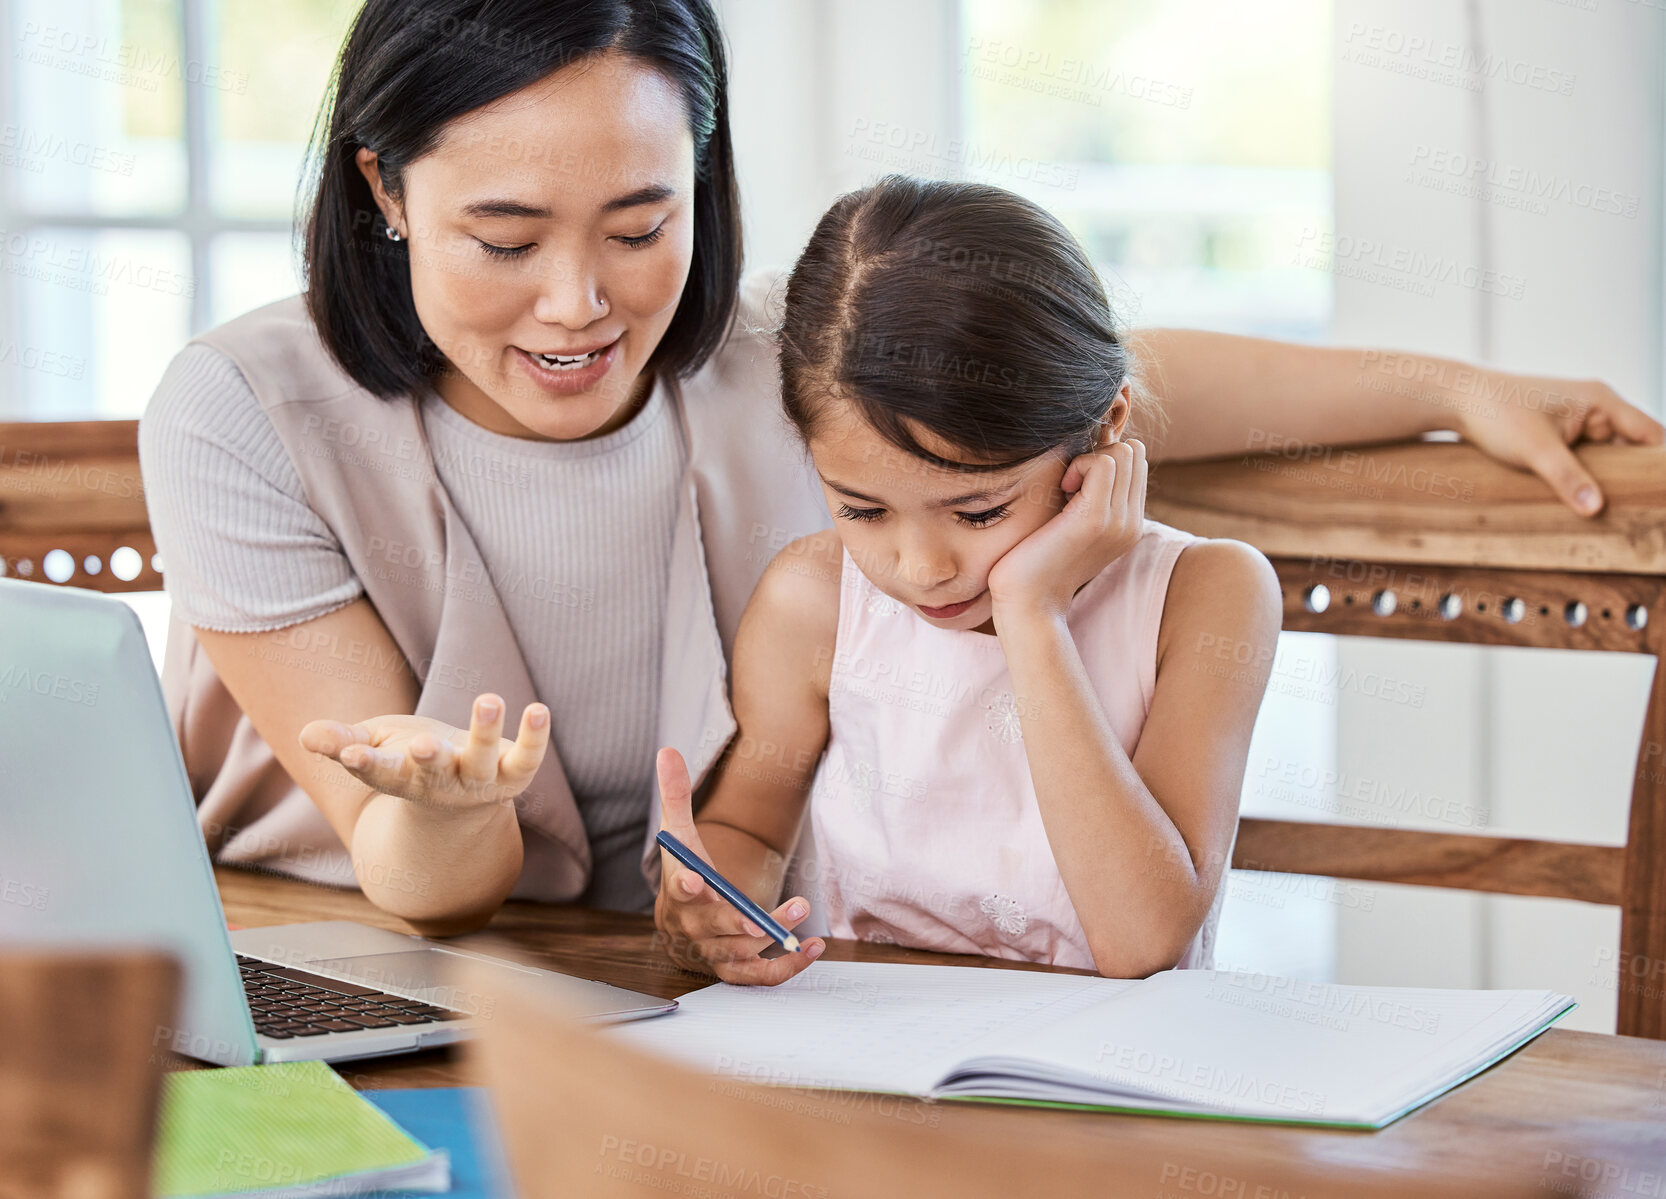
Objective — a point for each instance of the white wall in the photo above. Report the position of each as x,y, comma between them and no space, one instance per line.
830,95
1544,741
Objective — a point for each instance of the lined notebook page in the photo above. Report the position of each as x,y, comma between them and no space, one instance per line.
1277,1048
865,1026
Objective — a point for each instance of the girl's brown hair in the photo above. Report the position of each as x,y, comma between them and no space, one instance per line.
956,309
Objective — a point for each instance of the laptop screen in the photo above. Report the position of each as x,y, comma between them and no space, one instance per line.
98,835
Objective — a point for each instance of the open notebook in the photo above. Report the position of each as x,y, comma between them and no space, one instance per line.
1216,1044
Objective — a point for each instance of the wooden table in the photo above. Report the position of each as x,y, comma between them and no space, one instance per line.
1572,1113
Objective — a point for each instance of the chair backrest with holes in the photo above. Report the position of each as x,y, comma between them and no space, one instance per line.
72,505
1431,541
1435,541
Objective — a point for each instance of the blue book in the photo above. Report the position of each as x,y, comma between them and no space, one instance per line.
458,1120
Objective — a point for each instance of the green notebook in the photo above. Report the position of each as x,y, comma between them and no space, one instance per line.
277,1131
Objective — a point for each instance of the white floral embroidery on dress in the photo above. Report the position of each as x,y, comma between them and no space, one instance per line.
1005,913
862,779
1003,719
880,604
878,936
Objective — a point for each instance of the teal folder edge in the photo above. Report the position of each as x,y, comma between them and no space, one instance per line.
458,1120
1349,1126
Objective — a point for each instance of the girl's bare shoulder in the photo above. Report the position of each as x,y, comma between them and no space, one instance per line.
800,587
1221,591
793,616
805,574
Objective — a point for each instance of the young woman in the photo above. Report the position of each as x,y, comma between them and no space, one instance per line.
512,456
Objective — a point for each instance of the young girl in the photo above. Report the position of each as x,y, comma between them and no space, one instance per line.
1021,709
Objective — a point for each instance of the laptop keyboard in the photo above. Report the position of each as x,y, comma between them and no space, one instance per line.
293,1003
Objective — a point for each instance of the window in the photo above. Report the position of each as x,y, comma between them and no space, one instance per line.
1186,143
150,153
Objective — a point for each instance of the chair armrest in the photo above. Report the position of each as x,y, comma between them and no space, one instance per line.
1425,502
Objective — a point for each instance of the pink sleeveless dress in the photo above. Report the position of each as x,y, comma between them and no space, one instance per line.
927,831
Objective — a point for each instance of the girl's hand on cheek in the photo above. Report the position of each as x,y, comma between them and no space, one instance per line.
1101,520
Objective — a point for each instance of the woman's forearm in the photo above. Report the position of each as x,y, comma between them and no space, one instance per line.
1223,394
445,870
1218,395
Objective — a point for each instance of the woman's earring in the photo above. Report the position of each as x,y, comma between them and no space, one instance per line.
393,234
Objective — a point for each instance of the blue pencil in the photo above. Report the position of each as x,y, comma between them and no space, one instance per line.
772,929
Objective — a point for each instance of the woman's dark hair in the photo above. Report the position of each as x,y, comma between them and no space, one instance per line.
408,68
956,309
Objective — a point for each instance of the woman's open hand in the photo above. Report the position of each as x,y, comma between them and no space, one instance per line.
699,929
428,761
1537,436
1102,518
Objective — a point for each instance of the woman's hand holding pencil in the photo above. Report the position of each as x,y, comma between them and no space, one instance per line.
700,928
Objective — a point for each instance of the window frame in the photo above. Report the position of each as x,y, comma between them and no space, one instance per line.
198,220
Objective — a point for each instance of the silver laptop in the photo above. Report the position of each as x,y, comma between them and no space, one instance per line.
99,846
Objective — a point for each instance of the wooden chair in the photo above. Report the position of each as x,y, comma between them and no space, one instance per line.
1436,541
74,486
1425,540
79,1071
